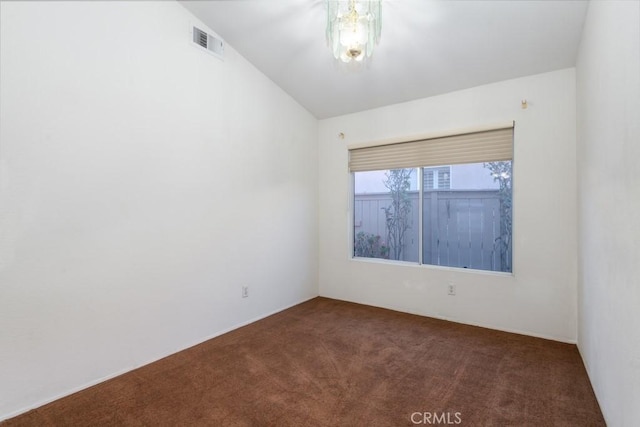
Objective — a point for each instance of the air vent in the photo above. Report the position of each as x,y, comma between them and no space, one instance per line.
200,37
212,43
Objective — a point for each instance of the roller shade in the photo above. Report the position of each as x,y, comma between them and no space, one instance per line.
477,147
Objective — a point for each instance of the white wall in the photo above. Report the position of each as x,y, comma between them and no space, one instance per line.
143,182
608,108
540,298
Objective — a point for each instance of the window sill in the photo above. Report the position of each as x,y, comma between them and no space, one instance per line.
430,266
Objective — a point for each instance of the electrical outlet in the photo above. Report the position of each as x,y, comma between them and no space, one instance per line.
451,289
245,292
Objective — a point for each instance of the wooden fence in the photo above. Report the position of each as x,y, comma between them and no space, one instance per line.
460,227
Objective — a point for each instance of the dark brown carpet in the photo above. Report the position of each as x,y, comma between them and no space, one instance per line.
332,363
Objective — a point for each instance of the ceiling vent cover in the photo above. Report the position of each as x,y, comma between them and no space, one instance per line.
211,43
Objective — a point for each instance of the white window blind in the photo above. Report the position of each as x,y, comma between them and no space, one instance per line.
487,146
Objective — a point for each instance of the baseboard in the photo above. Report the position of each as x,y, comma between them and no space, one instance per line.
124,371
449,319
588,371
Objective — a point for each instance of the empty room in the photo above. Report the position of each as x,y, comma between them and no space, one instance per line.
319,213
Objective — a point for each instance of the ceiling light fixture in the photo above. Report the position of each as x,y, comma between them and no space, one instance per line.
353,28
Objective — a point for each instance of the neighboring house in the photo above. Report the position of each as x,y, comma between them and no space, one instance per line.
455,177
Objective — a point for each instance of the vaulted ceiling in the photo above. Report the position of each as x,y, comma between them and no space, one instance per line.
428,47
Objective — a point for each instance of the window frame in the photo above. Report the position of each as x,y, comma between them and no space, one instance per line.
420,180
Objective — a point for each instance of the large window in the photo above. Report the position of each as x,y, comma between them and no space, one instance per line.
456,215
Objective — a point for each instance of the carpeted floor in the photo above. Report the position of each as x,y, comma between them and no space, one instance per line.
332,363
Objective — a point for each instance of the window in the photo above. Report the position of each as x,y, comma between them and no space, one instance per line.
457,214
386,215
437,178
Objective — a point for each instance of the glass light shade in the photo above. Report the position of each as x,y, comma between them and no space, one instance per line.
353,33
353,28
